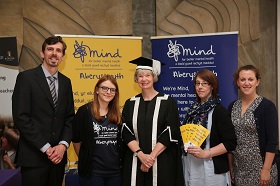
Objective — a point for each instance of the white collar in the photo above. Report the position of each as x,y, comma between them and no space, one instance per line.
10,153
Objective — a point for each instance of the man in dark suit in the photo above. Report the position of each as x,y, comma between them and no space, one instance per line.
44,122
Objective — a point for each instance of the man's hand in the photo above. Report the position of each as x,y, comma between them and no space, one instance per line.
57,153
49,151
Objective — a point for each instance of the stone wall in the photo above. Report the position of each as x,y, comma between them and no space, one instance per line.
255,20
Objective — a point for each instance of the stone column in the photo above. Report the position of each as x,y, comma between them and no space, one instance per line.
143,23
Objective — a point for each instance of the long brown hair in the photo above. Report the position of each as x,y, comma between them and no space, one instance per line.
114,114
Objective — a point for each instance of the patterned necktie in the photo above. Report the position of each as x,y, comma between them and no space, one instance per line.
52,89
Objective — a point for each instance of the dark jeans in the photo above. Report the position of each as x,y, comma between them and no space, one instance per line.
100,181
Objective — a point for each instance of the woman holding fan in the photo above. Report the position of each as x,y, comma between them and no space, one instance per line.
208,164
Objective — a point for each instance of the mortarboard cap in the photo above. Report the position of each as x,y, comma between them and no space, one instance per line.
149,64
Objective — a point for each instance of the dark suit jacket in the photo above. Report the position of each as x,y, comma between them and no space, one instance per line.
35,116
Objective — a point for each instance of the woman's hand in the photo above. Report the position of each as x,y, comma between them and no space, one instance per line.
231,174
230,163
144,168
198,152
265,172
146,159
264,177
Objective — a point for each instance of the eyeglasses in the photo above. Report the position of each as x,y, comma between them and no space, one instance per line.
105,89
204,84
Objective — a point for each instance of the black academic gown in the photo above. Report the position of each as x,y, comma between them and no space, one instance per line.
149,123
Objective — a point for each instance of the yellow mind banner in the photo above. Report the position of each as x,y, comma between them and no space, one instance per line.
88,58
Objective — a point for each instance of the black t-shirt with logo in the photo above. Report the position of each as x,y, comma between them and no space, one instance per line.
105,158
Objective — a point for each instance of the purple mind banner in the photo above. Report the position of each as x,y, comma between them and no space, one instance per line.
185,55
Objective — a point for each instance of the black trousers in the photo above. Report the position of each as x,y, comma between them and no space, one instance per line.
47,175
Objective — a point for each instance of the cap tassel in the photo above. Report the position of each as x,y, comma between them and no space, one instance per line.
156,67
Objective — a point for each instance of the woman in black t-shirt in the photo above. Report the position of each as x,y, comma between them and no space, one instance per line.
96,138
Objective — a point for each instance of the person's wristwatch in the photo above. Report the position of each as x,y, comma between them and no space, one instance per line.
136,152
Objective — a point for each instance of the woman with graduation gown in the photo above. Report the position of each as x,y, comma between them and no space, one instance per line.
151,132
